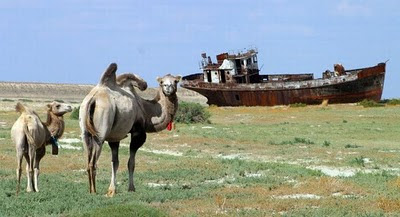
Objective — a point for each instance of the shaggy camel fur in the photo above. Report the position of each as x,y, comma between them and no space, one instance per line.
113,109
31,136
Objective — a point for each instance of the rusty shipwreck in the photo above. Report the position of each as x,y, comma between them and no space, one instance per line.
235,80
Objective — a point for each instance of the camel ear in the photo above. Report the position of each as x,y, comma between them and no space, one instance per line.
49,107
19,107
178,78
159,80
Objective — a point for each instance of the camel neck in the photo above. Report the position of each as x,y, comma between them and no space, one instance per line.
55,125
161,118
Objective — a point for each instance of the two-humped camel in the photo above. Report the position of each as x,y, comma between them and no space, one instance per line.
31,136
113,109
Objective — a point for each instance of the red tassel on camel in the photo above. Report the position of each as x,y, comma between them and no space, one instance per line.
169,126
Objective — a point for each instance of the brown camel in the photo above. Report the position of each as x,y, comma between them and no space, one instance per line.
113,109
31,136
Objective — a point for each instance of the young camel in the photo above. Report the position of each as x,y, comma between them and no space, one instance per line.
31,136
112,110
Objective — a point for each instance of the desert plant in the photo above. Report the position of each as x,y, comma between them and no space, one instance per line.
192,113
358,161
326,143
352,146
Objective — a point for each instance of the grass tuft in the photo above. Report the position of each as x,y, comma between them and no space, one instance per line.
352,146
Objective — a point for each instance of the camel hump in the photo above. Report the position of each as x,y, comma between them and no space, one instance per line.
20,108
109,78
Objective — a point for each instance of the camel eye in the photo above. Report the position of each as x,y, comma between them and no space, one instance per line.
58,106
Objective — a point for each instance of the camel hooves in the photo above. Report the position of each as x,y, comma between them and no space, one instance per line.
110,193
132,189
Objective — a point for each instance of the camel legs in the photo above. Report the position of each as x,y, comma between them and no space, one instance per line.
114,167
94,151
19,170
30,159
137,140
39,155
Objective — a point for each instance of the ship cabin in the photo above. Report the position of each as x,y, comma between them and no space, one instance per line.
241,67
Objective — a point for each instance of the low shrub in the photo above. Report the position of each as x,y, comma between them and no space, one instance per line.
192,113
366,103
326,143
393,102
352,146
25,100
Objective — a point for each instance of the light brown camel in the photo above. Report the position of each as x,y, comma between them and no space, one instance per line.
113,109
31,136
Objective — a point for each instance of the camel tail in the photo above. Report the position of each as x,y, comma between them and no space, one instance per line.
20,108
28,134
89,118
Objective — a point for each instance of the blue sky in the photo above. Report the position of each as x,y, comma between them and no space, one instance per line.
73,41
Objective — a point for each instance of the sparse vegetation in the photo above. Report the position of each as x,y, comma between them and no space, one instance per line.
298,105
326,143
7,100
189,113
295,141
359,161
352,146
25,100
227,168
370,103
392,102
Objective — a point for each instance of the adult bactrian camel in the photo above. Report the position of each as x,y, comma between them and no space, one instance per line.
112,109
31,136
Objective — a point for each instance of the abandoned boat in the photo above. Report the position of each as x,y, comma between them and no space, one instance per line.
234,80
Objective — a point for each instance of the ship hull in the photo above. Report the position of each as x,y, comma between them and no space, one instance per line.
359,84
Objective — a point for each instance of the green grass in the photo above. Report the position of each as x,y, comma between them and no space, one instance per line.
247,157
75,114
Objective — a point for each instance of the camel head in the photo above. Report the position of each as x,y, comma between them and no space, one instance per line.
131,80
168,84
58,108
